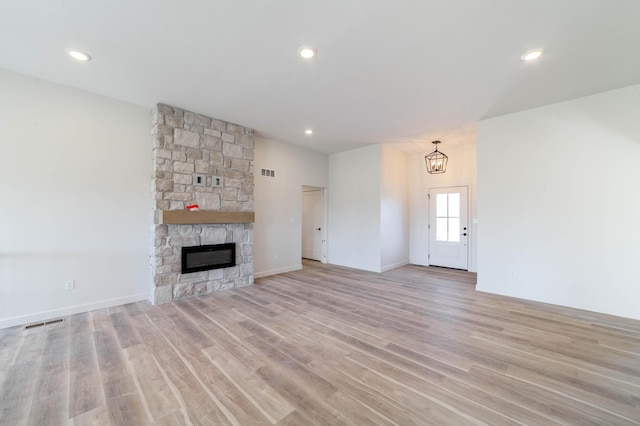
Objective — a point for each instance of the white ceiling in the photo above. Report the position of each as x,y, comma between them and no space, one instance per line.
387,71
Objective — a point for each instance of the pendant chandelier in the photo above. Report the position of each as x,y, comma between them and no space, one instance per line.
436,161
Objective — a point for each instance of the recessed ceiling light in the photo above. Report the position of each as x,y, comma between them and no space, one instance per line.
531,55
78,55
308,132
307,52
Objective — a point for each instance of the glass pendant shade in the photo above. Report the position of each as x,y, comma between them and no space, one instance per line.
436,161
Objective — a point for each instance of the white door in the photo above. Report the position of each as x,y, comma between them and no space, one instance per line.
312,222
448,227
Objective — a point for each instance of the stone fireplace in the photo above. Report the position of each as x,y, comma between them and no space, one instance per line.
209,162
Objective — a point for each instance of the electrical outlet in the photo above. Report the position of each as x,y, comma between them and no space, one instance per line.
70,285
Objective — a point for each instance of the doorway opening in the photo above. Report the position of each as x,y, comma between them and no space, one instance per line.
313,224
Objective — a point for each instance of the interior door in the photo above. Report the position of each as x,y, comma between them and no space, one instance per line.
448,227
312,222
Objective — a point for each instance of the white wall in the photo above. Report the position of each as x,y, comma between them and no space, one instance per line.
461,171
354,203
559,204
394,209
75,202
354,208
278,203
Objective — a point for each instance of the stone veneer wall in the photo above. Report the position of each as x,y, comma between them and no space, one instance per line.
186,144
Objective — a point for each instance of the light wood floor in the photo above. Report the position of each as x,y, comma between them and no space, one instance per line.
327,345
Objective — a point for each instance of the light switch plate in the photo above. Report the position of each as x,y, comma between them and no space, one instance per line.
217,181
199,179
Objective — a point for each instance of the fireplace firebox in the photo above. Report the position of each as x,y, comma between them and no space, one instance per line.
203,258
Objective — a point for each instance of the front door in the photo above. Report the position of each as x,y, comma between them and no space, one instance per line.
448,227
312,222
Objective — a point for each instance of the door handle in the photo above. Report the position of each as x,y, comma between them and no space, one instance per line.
318,229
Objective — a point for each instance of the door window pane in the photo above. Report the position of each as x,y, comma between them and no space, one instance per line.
441,229
454,204
454,229
441,205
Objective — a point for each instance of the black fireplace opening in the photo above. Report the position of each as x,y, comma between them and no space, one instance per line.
204,258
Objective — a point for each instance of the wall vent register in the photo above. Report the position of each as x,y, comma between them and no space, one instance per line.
268,173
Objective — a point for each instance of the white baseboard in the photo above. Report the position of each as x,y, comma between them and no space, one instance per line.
394,266
70,310
277,271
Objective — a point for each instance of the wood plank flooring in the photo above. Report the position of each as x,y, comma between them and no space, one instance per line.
328,346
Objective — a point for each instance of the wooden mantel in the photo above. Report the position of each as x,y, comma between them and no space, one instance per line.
185,217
